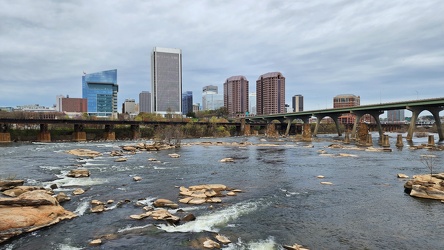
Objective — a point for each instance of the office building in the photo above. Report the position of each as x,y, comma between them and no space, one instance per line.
270,93
211,99
348,100
187,102
166,81
252,103
100,89
297,103
395,116
236,95
129,107
145,102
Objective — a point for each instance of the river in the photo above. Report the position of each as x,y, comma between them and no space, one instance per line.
282,202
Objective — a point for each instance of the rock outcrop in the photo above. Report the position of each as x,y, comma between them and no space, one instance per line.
78,173
83,153
28,212
426,186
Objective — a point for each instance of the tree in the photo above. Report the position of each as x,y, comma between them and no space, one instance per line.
428,161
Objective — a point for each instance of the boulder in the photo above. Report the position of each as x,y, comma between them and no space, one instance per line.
215,187
174,155
78,191
96,242
427,192
231,193
116,153
62,197
403,176
223,239
211,244
84,153
28,212
213,200
97,206
129,148
295,247
165,203
78,173
140,216
426,186
121,159
188,217
137,178
163,214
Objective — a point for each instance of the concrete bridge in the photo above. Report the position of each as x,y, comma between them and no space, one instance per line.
108,125
434,105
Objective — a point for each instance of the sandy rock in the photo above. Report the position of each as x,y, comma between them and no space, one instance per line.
295,247
165,203
140,216
402,176
122,159
137,178
78,173
84,153
62,197
174,155
129,148
78,191
109,201
16,191
116,153
213,200
237,191
210,193
320,177
215,187
211,244
152,159
231,193
7,184
347,155
326,183
28,212
185,200
199,194
227,160
196,201
96,242
427,192
223,239
97,206
163,214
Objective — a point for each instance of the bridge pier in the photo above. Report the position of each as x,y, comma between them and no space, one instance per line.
435,113
287,131
5,136
109,135
44,135
375,115
135,131
78,134
271,130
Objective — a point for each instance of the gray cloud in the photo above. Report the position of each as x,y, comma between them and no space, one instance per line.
380,50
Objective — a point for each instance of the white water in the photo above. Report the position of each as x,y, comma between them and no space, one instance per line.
81,209
209,222
268,244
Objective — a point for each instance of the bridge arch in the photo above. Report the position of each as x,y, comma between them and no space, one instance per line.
415,113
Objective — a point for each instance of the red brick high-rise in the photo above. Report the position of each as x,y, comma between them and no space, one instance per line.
270,94
236,95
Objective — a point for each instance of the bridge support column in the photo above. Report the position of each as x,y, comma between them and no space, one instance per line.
109,135
5,136
135,132
415,113
78,134
435,113
306,132
315,132
431,141
271,130
44,135
399,142
287,131
245,128
347,138
355,125
335,119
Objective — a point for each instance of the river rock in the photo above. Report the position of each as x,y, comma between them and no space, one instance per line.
28,212
97,206
78,173
174,155
7,184
231,193
227,160
163,214
426,186
62,197
211,244
295,247
223,239
213,200
129,148
188,217
215,187
16,191
165,203
326,183
84,153
116,153
78,191
403,176
137,178
122,159
140,216
95,242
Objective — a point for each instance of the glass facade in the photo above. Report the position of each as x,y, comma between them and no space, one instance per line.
187,102
100,89
166,77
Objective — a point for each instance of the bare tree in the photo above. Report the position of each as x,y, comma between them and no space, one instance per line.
428,161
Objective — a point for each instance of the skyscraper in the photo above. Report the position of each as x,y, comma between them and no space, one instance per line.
298,103
166,81
270,93
236,95
100,89
145,102
211,99
252,104
187,102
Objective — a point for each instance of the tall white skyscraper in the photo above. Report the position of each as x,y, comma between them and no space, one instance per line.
166,81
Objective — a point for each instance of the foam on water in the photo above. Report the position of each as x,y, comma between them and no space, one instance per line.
69,182
209,222
268,244
81,209
67,247
130,227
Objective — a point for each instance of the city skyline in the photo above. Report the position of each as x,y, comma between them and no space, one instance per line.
381,51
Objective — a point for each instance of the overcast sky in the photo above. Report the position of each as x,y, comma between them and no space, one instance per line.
381,50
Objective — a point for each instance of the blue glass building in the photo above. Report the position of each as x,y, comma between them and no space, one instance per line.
187,102
100,89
